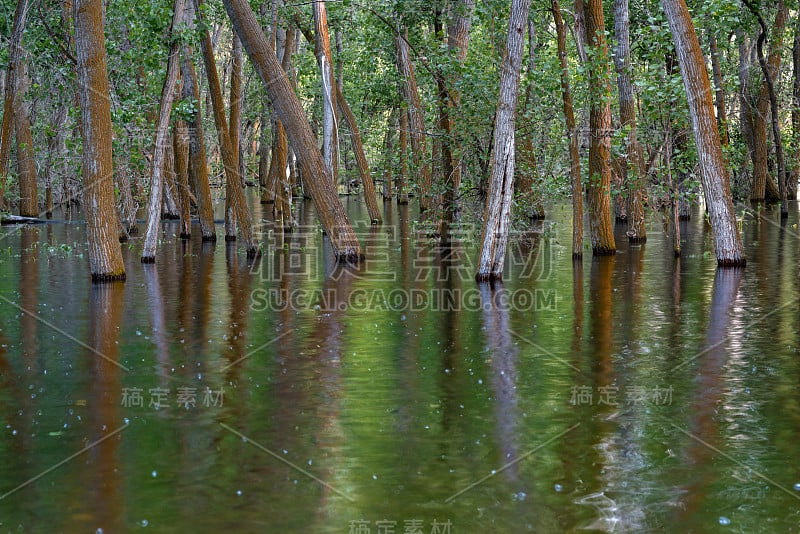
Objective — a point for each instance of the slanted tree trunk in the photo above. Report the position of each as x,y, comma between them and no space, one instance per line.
598,190
234,128
361,160
497,214
410,93
14,58
26,162
763,186
773,101
105,254
572,134
180,147
198,166
315,174
745,109
633,169
330,127
283,191
162,135
727,243
229,157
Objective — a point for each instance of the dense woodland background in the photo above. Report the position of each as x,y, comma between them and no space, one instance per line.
365,40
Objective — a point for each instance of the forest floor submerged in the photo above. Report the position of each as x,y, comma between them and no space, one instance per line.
292,394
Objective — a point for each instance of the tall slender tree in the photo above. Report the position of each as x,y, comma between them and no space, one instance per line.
598,190
105,254
497,214
727,242
634,170
315,174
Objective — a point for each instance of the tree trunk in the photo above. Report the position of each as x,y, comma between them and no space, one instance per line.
14,58
773,101
26,162
315,174
388,153
198,167
105,254
572,134
727,243
791,186
458,29
330,126
283,191
229,157
361,160
234,129
634,171
180,147
497,214
722,115
170,209
410,93
402,182
598,190
162,134
762,182
526,170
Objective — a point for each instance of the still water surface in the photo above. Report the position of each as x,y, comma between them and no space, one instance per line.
631,393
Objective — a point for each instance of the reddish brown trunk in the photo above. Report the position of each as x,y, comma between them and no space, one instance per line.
105,255
598,190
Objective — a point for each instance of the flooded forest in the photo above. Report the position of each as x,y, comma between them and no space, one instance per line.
399,266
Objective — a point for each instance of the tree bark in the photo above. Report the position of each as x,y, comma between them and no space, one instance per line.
402,182
229,157
572,134
791,186
26,162
162,136
15,54
410,93
727,243
598,190
234,128
198,166
105,254
180,147
315,173
634,170
497,214
330,126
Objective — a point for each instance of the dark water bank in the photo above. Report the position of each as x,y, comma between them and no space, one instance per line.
209,393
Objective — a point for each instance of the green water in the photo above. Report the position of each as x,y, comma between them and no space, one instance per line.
633,393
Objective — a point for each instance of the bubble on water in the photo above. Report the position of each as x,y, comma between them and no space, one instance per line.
145,522
480,381
374,477
797,486
13,432
519,496
139,333
239,493
154,473
98,531
724,520
126,421
558,487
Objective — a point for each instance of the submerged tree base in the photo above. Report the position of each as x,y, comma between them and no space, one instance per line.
102,278
185,235
731,263
489,277
603,251
349,257
635,240
230,238
148,259
210,238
